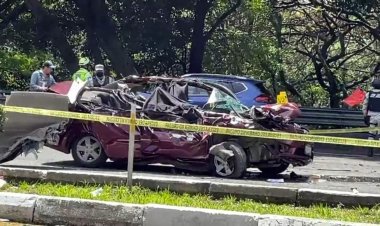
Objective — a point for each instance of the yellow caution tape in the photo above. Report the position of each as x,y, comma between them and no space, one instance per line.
337,131
197,128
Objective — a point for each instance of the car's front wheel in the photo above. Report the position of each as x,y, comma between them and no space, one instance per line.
232,167
88,152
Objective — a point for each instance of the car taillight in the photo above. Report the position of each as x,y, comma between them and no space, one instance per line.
263,99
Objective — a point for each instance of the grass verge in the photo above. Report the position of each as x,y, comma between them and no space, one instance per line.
138,195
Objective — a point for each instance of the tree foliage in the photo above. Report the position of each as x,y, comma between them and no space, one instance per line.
316,50
323,50
16,67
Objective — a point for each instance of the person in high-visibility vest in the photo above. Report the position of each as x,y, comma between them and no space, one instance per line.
83,74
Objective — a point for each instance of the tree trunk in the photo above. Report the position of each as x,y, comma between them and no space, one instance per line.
334,100
274,85
333,89
200,37
92,45
198,40
48,24
106,32
276,20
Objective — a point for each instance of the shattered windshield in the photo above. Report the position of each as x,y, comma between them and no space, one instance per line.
221,100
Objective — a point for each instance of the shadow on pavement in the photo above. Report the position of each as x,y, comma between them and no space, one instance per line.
162,170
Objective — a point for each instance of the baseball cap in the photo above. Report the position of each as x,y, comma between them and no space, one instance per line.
48,63
99,67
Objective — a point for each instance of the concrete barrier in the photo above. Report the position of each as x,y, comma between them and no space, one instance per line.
180,216
36,174
50,210
256,192
67,211
266,220
349,199
85,177
17,207
183,216
173,184
154,183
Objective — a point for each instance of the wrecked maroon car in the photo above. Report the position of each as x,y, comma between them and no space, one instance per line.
93,143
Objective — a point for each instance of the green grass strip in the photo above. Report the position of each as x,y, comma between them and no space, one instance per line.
138,195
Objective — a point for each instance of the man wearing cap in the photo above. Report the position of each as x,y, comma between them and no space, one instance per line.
42,79
100,79
83,74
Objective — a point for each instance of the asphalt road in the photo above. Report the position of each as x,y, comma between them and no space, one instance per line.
343,173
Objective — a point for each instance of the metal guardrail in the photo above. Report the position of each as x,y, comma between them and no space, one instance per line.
331,117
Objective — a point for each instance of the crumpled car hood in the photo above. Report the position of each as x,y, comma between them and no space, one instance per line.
21,127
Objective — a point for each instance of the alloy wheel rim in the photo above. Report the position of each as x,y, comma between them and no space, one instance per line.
223,167
88,149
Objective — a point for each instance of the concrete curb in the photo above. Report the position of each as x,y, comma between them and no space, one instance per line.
173,184
348,199
274,194
18,207
351,179
256,192
58,211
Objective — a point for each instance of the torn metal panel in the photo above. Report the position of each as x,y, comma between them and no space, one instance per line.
19,128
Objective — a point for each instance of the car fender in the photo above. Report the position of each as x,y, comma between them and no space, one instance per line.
221,151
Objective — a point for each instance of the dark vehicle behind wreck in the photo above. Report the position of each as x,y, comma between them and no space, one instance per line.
92,143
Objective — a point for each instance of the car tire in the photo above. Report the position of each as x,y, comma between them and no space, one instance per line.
273,171
87,151
237,164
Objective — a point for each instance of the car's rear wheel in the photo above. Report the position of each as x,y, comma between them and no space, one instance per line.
88,152
232,167
273,171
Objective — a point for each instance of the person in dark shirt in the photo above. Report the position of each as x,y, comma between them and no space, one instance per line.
371,110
